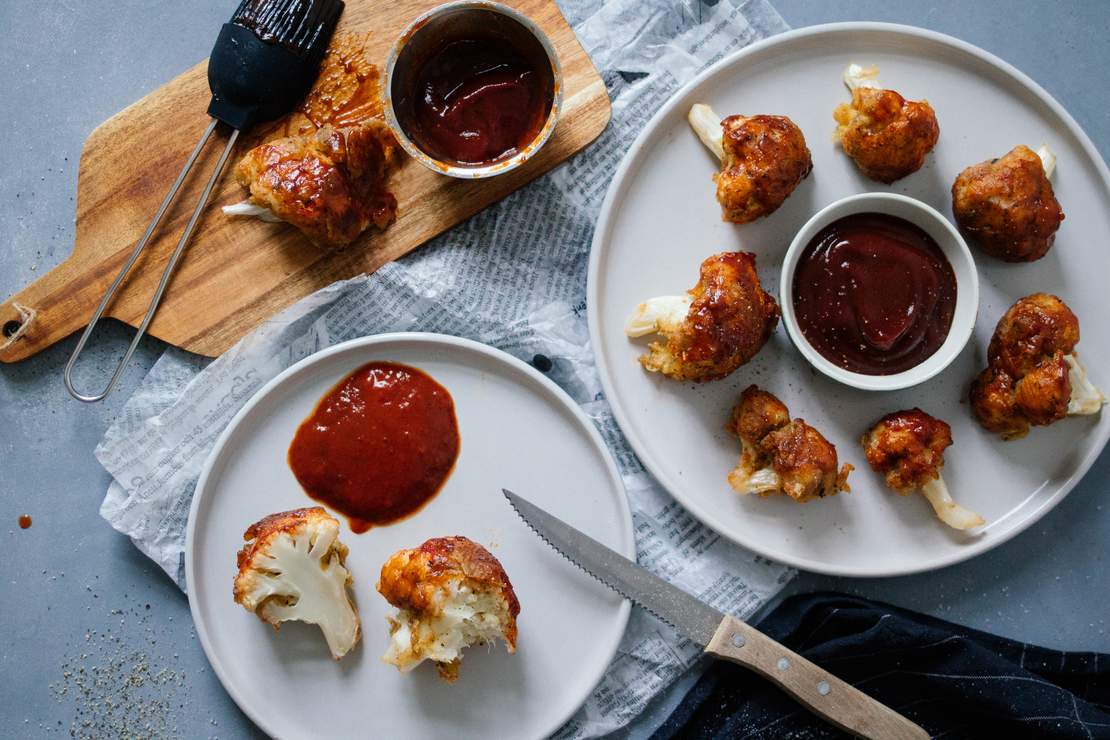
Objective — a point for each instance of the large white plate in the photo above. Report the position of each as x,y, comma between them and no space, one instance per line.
660,220
518,430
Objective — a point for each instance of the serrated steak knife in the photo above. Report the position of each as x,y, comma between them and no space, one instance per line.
723,636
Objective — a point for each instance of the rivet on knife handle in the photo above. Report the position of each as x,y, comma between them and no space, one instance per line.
823,693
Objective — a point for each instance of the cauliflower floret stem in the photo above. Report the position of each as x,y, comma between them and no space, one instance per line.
1048,159
857,76
1085,398
662,313
947,509
707,125
247,208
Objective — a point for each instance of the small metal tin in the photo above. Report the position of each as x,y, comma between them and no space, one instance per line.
452,20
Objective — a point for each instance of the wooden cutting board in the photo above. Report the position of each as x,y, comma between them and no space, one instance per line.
236,271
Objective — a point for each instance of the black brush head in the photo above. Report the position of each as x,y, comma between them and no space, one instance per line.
295,24
266,58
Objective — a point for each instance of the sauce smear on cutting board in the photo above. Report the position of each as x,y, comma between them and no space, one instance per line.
379,445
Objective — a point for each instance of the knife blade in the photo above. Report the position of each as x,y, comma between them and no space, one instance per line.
722,635
695,619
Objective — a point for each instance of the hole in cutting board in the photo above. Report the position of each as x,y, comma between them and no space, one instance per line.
11,327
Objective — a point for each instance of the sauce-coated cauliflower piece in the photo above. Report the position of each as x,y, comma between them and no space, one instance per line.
886,135
780,455
907,448
450,593
1033,376
720,324
293,568
763,158
330,184
1007,206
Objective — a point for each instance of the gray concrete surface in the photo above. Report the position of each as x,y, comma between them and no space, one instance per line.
92,632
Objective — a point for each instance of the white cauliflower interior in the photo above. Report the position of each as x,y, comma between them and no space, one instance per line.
466,618
662,313
450,593
294,570
745,478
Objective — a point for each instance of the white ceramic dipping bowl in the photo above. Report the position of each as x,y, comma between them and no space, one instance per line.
946,237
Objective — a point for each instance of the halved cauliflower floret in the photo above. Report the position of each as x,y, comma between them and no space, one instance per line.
450,593
293,568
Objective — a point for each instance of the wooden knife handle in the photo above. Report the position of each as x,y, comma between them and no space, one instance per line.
823,693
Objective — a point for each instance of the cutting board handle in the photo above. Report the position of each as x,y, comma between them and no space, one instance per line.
49,309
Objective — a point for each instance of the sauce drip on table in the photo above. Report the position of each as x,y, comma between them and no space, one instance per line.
874,294
379,445
478,101
24,521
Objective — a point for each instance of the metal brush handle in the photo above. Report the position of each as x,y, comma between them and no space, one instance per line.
166,274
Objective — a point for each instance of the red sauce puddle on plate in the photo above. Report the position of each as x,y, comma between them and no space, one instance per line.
874,294
379,445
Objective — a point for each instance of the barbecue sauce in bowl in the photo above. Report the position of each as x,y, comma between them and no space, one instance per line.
379,445
478,101
472,89
874,294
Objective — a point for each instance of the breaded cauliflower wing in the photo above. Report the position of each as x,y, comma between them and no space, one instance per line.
763,158
1033,375
1007,206
293,567
717,327
330,184
886,135
907,448
780,455
450,593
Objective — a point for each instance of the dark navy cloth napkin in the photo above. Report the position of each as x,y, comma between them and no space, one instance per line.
954,681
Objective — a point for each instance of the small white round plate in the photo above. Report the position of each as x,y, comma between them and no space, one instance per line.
518,430
660,219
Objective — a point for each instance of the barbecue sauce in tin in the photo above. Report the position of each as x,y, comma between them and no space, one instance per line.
477,101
